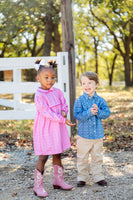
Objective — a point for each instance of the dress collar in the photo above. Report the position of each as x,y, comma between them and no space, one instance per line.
39,89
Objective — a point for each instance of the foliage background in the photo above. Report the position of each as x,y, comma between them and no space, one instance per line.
103,34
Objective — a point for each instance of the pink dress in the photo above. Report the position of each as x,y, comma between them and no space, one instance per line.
50,135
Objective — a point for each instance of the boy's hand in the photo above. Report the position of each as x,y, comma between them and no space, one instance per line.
94,109
95,106
63,113
69,123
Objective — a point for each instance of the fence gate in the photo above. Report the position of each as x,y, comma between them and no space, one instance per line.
17,87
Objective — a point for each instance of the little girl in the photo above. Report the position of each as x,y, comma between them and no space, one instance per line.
50,135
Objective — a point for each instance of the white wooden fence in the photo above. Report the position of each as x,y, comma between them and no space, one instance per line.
23,110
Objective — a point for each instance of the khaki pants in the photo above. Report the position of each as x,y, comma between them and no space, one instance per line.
94,148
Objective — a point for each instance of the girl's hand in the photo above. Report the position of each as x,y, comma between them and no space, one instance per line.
69,123
63,113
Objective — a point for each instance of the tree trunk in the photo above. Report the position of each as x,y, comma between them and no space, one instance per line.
84,57
96,54
126,58
1,76
2,56
48,33
127,70
56,38
68,45
112,70
132,68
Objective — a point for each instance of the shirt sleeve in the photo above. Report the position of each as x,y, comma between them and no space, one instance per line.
79,113
64,105
103,110
44,109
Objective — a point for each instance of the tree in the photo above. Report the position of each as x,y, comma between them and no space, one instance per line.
116,16
9,22
52,20
68,45
89,35
110,63
26,31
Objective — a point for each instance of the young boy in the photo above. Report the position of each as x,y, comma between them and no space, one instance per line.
89,110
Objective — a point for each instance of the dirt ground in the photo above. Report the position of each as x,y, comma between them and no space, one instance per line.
17,177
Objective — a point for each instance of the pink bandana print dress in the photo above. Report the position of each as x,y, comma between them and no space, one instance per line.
50,135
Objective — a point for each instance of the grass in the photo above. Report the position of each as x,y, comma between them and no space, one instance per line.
118,127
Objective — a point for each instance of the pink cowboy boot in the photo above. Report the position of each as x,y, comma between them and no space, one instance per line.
58,181
38,186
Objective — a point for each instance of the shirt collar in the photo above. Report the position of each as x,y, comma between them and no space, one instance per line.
89,97
39,89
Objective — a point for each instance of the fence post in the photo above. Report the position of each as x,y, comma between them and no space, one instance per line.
17,96
63,78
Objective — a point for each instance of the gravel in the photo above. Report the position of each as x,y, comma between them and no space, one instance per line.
17,177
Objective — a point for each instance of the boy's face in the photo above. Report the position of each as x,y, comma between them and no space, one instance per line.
89,86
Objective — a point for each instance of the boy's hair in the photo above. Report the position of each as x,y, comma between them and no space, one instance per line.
90,75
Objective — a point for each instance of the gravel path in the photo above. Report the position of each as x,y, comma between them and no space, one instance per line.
17,177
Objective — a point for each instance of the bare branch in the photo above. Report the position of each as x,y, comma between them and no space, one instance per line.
112,33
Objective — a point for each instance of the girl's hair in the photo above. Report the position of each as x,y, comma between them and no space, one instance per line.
50,64
90,75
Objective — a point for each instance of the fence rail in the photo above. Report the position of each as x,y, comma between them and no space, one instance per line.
21,110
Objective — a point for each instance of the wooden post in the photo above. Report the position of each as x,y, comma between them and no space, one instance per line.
68,45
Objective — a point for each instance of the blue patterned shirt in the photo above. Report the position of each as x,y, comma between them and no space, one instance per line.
90,126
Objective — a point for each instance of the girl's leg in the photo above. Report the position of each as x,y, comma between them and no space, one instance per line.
57,160
42,159
58,181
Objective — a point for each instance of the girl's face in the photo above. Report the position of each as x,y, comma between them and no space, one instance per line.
46,78
88,86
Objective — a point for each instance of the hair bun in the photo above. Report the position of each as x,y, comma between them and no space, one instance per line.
38,61
52,63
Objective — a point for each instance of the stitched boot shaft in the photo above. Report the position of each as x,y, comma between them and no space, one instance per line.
58,181
38,185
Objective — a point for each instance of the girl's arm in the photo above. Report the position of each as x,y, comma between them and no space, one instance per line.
63,113
64,106
79,113
44,109
103,110
69,123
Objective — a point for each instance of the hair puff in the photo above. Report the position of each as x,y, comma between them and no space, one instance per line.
52,63
38,61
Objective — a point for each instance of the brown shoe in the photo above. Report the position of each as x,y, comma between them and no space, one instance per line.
81,183
102,183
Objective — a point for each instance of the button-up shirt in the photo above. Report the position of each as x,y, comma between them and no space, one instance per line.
90,126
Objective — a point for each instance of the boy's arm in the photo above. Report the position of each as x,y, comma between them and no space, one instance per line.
103,110
79,113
